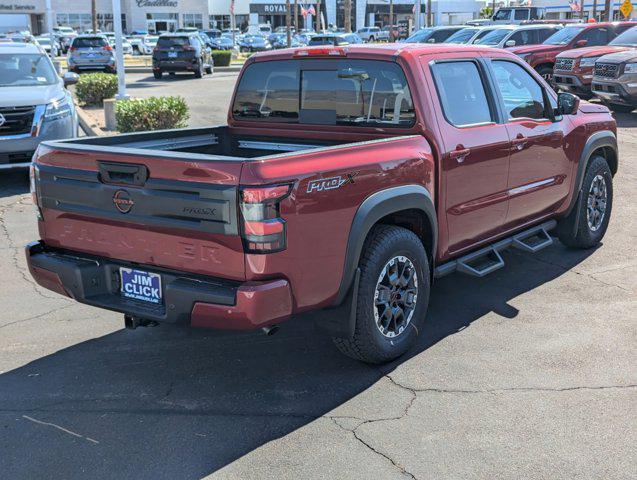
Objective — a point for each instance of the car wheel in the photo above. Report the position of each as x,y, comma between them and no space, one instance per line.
393,294
586,225
157,74
209,70
371,39
547,73
199,70
615,107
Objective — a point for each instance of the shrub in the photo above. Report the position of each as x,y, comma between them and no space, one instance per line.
221,58
93,88
154,113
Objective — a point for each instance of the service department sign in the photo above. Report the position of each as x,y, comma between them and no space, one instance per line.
157,3
16,8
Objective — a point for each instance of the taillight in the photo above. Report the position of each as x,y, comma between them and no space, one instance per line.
320,52
34,178
263,229
72,49
108,48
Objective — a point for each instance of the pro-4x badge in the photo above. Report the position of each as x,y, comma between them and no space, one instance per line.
331,183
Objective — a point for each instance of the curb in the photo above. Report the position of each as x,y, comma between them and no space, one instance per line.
87,125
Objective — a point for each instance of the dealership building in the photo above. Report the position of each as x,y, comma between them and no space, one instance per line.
168,15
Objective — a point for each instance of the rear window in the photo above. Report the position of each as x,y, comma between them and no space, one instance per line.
168,42
93,42
326,92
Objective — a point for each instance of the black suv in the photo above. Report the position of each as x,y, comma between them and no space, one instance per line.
181,52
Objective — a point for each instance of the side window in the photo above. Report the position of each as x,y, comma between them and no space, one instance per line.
521,14
462,93
523,37
595,36
545,33
522,95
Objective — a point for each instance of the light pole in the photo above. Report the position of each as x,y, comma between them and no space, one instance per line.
49,20
288,22
119,54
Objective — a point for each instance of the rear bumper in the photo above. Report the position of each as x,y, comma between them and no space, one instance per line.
204,302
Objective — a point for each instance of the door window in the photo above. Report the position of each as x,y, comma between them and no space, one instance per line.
462,93
524,37
522,95
521,14
595,36
544,33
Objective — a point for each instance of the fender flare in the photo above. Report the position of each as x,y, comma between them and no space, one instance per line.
375,207
604,138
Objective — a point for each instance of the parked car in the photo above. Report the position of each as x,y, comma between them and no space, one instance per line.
615,80
542,57
325,191
334,39
305,37
369,34
433,34
507,36
212,33
91,52
34,105
148,44
254,43
48,44
187,30
127,48
512,16
136,44
181,52
469,35
573,70
280,40
66,36
223,43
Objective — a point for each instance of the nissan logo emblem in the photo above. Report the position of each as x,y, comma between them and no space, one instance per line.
123,201
2,120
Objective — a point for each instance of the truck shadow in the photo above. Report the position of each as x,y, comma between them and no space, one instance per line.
14,182
178,403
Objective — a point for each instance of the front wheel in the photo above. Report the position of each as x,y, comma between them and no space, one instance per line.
393,294
199,70
547,74
586,225
209,70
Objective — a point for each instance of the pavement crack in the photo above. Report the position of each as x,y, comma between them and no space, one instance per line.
58,427
35,317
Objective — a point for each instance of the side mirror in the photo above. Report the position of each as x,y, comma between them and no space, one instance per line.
567,103
70,78
510,43
581,43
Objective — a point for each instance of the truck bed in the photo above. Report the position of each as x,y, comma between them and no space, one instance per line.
211,143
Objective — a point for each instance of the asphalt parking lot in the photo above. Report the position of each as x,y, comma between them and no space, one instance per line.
530,373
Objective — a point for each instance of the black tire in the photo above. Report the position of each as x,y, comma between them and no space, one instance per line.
157,74
209,70
199,70
615,107
369,344
371,39
585,236
546,72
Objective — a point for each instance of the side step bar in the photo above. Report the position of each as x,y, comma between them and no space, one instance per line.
488,259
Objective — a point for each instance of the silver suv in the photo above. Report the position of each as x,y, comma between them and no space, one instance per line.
91,52
34,105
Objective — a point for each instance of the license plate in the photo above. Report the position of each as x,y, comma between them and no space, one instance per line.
90,55
172,54
140,285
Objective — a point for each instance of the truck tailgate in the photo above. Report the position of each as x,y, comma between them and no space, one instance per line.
147,210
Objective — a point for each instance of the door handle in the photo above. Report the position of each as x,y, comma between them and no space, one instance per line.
519,142
459,153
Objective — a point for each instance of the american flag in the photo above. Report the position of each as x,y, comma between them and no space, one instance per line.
575,5
231,7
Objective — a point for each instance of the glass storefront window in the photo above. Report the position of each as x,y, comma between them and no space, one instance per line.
192,20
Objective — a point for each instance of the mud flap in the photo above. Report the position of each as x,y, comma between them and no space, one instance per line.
340,321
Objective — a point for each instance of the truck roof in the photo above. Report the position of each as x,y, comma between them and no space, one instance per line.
15,47
388,50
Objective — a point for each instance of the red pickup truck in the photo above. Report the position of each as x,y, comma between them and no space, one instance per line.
542,57
347,178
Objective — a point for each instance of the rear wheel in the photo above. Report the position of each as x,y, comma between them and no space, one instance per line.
592,210
157,74
393,295
209,70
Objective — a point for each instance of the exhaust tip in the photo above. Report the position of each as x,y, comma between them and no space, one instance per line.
270,330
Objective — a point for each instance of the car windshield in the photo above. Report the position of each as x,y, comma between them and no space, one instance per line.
420,36
626,39
169,42
90,42
362,93
564,36
44,41
462,36
494,37
28,70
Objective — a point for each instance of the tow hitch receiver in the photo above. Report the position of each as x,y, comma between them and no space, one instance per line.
133,322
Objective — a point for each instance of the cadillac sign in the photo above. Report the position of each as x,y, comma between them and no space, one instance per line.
157,3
